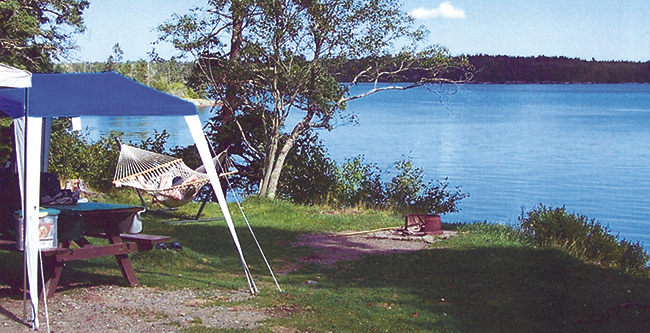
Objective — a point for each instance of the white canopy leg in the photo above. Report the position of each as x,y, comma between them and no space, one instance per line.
194,123
31,189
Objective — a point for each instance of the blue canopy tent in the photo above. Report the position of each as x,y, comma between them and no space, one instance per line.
73,95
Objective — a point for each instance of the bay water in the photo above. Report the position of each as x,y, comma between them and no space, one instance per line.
511,147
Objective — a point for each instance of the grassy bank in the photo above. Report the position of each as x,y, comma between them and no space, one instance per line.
488,279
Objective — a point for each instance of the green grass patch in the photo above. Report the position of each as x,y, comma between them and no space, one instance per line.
488,279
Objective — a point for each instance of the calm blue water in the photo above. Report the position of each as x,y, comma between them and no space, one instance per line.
586,147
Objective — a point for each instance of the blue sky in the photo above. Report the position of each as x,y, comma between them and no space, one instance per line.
604,30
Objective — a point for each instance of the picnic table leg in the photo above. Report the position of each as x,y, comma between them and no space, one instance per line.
124,262
52,271
127,269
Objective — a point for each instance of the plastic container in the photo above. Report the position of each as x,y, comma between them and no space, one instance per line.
47,225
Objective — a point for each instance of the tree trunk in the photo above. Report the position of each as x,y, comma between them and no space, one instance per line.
230,104
269,164
274,175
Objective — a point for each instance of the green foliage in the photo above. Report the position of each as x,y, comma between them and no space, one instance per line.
407,192
6,139
312,178
404,190
36,32
358,185
243,144
583,237
169,76
541,69
309,175
112,64
72,156
155,144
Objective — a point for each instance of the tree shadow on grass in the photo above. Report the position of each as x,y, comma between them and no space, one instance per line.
484,290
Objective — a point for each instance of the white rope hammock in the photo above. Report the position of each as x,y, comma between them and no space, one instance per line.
163,176
166,178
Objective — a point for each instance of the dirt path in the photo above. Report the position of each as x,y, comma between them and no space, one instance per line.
139,309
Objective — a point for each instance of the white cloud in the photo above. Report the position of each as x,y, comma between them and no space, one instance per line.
446,10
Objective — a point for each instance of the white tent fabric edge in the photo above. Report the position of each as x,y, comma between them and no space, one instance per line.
31,180
11,77
14,77
194,123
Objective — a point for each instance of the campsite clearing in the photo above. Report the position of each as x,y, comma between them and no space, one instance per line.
109,308
487,279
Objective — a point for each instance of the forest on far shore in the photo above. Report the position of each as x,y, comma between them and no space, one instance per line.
172,76
511,70
542,69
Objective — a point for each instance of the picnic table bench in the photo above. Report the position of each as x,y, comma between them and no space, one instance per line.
100,220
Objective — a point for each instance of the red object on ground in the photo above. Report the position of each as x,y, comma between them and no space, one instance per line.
431,224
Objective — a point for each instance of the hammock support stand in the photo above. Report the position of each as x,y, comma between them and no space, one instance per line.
185,219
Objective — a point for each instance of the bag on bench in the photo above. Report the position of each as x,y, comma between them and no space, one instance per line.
52,194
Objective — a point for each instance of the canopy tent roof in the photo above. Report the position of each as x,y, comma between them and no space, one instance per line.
71,95
97,94
14,77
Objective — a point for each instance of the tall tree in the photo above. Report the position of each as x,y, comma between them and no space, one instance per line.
286,53
35,32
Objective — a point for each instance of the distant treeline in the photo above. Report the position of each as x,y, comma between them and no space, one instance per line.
170,76
504,69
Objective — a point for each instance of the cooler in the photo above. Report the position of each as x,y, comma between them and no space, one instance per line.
47,224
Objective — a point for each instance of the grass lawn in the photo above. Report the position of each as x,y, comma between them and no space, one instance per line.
485,280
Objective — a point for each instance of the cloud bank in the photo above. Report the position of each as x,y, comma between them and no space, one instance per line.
445,10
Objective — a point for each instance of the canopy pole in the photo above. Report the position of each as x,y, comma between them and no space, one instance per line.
194,123
45,150
32,170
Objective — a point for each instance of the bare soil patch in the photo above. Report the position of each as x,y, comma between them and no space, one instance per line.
333,247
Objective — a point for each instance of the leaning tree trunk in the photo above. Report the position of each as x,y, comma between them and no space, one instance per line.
274,165
269,164
274,177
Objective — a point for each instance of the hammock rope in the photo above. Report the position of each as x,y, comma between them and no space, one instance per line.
159,174
168,179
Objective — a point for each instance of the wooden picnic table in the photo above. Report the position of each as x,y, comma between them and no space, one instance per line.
99,220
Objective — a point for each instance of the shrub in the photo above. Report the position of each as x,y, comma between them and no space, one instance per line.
583,237
308,176
73,155
407,193
358,184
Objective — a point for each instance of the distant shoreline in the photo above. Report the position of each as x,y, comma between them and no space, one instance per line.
203,102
